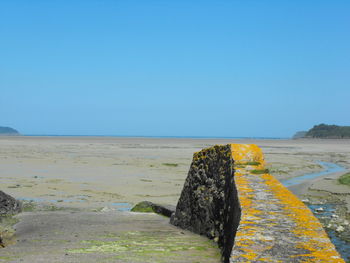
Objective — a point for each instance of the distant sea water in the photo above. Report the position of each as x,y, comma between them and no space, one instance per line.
156,136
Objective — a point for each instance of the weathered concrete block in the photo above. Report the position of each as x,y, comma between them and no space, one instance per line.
208,204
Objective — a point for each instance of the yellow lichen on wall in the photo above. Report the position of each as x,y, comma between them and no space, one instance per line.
247,153
307,225
273,219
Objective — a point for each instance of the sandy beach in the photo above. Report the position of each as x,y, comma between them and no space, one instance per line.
97,171
110,174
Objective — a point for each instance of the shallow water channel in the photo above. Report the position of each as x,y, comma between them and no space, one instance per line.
329,168
342,246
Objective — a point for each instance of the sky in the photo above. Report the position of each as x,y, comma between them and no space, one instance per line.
246,68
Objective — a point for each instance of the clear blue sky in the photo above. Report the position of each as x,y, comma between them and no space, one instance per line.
174,68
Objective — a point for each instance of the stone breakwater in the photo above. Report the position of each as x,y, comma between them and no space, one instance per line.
230,197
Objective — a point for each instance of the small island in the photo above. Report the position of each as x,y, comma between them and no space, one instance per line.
8,131
325,131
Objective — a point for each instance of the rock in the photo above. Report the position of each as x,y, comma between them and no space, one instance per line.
1,242
339,229
149,207
106,209
334,216
208,204
8,205
319,209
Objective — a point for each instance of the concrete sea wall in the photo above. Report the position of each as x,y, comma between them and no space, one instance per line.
230,197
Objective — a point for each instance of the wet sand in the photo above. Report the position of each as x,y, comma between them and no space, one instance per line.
96,172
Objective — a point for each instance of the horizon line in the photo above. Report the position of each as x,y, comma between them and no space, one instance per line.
156,136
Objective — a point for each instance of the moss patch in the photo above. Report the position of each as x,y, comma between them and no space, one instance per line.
143,207
28,206
6,258
261,171
249,163
344,179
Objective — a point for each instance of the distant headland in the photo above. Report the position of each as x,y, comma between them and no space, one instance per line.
8,131
325,131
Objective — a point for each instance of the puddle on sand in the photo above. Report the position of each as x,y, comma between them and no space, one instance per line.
42,200
122,206
329,168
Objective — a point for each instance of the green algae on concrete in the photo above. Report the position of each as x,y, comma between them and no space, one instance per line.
156,246
6,229
6,258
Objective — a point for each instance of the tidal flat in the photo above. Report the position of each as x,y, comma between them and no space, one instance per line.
91,179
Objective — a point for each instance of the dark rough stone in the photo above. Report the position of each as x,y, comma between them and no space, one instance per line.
8,205
146,206
208,204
